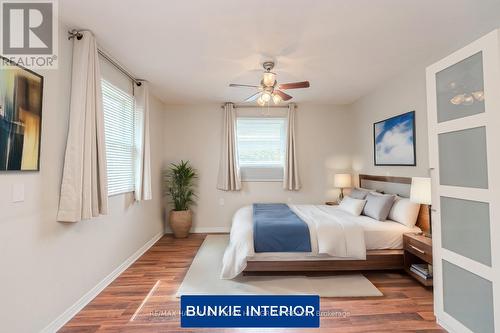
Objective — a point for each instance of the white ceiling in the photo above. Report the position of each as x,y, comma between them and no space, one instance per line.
191,50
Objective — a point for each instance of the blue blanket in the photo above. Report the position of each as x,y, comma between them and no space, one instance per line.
276,228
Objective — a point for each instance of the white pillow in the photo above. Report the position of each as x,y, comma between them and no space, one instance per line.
404,211
353,206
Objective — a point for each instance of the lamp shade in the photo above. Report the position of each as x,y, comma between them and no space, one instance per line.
269,79
260,101
276,98
266,97
421,190
342,180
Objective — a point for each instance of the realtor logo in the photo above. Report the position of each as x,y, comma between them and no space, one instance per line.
29,32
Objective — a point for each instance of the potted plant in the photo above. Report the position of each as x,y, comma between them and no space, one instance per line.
179,184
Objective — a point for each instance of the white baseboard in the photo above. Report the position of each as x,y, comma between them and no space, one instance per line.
204,230
89,296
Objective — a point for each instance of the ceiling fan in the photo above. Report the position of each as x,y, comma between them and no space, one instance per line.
269,87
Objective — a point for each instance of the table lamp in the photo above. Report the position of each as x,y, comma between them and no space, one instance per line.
342,180
421,193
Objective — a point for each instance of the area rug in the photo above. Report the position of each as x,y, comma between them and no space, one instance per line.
202,278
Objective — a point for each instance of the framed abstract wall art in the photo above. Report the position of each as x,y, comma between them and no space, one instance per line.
394,141
21,92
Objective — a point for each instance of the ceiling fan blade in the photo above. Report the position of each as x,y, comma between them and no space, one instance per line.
283,96
253,97
242,85
294,85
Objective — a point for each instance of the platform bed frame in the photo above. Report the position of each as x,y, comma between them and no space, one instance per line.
375,259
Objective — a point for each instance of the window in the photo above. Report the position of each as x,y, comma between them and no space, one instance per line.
119,120
261,148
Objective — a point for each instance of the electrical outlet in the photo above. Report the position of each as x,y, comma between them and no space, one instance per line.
289,200
221,201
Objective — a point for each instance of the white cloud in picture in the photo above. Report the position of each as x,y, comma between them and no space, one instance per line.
395,140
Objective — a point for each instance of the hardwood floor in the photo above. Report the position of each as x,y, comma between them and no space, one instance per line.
122,307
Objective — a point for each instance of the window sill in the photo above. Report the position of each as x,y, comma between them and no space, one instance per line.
121,193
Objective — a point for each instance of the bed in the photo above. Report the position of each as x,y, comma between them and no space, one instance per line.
381,242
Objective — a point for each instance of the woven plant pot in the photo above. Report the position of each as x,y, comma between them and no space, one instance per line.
180,222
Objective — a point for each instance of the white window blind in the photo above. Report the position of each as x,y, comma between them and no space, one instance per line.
119,120
261,148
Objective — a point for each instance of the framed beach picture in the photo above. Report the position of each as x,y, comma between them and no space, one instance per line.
21,92
394,140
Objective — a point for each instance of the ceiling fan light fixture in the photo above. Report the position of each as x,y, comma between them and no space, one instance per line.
468,100
276,99
260,101
458,99
269,79
478,95
266,97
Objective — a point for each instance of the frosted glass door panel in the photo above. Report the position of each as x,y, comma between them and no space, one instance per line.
468,298
460,89
462,158
465,228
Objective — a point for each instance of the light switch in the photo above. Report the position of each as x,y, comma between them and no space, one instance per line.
17,192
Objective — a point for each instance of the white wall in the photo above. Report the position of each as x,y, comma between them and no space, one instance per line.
401,94
46,266
194,133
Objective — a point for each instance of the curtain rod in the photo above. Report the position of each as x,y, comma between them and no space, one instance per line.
245,106
78,35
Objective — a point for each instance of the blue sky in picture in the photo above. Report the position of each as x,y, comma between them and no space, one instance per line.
394,140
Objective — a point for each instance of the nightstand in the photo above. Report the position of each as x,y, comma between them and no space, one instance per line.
331,203
417,250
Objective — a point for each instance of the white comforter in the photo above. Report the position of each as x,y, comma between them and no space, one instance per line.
332,232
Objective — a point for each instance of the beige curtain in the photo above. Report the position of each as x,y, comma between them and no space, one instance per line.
291,181
229,173
142,142
84,192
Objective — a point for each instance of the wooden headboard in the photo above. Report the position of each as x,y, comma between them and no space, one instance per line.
400,186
